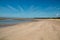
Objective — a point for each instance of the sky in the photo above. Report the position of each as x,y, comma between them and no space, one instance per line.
29,8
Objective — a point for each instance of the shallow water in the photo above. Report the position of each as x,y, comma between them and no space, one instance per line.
13,21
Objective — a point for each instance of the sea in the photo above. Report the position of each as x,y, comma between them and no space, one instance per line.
13,21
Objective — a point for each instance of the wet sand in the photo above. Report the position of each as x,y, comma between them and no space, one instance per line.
39,30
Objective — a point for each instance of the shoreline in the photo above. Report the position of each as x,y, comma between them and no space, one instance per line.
36,20
37,30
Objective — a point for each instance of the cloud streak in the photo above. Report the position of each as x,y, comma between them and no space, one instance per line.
33,8
12,8
31,11
21,8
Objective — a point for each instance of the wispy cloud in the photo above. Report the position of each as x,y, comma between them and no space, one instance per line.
33,8
31,11
5,9
12,8
21,8
52,8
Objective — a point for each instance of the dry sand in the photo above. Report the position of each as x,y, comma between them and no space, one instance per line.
39,30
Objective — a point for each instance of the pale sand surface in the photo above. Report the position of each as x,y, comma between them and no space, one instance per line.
39,30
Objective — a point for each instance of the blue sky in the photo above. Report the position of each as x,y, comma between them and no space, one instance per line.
29,8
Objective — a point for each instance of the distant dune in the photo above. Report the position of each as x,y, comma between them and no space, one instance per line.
45,29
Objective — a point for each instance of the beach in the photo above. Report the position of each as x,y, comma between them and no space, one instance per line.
45,29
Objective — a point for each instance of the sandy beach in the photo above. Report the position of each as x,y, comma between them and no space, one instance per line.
37,30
